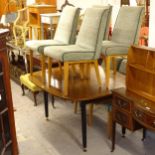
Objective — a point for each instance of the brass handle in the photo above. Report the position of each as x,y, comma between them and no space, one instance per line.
138,114
121,104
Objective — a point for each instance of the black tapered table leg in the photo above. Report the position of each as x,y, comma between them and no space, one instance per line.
84,125
46,103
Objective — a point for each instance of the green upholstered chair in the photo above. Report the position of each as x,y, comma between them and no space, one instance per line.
125,33
87,47
65,34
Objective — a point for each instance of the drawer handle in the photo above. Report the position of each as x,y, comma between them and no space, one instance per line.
122,104
138,114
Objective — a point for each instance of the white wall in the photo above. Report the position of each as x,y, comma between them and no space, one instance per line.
88,3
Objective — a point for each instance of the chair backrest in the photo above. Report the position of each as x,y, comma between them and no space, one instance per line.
22,17
127,26
67,26
93,29
109,7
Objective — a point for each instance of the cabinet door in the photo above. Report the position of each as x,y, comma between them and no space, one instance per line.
5,136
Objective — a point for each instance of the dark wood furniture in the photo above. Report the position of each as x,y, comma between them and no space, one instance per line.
8,141
137,101
84,91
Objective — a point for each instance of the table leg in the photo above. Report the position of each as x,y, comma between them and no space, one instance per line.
144,133
123,131
113,135
46,104
84,125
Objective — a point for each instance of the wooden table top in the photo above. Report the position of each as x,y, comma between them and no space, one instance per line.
79,89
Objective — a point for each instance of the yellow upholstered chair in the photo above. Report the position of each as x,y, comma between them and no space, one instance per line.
20,27
25,82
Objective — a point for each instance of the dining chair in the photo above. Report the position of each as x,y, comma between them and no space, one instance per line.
125,33
87,48
20,27
65,34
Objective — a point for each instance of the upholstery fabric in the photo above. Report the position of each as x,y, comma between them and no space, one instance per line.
88,44
65,32
111,48
126,30
24,79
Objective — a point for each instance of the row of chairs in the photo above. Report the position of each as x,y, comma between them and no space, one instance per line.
91,42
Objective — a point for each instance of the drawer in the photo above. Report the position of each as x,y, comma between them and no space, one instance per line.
122,118
144,118
122,104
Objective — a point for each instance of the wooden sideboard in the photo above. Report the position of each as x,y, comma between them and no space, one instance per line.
8,141
134,106
34,15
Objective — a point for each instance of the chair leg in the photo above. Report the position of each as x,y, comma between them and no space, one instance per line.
52,101
23,89
49,70
109,127
97,72
114,66
75,107
107,71
31,62
43,67
90,115
35,99
60,66
66,77
81,71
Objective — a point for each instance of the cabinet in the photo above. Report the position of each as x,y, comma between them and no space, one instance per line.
140,77
134,106
8,141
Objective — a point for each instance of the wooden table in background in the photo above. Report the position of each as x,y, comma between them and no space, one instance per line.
34,15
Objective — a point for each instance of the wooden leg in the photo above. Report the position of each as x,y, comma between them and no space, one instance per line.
107,71
23,89
75,107
35,100
144,134
90,115
60,66
97,72
114,66
52,101
81,70
31,62
30,33
109,124
43,67
49,70
113,135
66,78
123,131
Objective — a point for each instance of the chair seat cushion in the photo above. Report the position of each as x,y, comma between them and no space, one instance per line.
69,53
39,45
113,48
25,80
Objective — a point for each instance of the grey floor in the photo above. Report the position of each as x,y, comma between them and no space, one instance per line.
61,135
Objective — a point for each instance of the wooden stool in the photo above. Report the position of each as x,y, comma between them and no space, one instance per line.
25,82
